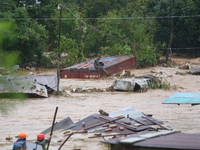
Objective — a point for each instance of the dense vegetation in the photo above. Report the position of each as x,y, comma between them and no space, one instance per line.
35,28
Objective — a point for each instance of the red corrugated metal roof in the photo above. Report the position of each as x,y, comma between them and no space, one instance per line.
108,61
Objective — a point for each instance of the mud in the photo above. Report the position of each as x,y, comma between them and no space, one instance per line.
32,116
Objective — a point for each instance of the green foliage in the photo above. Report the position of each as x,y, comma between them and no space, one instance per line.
181,73
30,37
186,30
7,59
138,37
155,85
165,85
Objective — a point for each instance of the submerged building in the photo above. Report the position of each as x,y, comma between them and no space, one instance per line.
86,70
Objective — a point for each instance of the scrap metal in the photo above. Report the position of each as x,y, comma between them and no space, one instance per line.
156,140
195,70
105,126
35,85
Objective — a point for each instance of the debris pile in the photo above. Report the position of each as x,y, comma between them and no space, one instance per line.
86,90
124,74
186,66
118,124
171,63
137,84
124,129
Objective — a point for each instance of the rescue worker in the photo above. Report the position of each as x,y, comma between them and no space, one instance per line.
97,65
20,144
42,141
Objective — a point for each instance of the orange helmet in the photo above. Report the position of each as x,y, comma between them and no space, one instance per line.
40,137
22,136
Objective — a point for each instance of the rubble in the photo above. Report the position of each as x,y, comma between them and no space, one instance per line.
125,73
16,67
8,138
137,84
88,90
27,68
78,89
61,93
186,66
132,122
31,73
33,69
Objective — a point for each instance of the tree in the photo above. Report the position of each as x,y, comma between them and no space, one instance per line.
186,29
30,38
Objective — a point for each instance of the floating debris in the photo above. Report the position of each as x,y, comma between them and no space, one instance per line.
31,85
195,70
8,138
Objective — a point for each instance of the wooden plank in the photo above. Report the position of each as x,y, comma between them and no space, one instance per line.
156,123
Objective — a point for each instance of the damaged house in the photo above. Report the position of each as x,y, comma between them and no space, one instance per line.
33,86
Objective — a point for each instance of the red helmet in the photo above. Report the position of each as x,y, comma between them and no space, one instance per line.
40,137
22,136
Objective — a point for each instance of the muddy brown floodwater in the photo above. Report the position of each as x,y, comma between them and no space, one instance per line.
32,116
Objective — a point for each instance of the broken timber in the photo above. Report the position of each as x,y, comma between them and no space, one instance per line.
156,123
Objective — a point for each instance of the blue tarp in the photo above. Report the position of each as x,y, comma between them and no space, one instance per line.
109,59
183,98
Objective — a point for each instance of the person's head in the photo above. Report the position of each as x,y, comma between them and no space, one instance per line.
40,137
22,136
99,57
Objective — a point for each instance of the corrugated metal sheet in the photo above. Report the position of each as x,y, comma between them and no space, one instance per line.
195,70
86,69
157,140
94,122
28,84
133,113
64,124
172,141
183,98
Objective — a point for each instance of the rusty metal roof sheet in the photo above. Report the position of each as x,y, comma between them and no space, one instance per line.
108,61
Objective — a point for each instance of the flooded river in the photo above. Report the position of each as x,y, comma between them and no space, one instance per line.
33,116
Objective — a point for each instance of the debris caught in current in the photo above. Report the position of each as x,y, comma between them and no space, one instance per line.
33,86
103,112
